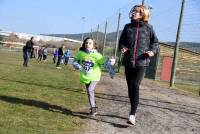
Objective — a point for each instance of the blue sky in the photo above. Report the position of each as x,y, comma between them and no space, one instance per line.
55,16
64,16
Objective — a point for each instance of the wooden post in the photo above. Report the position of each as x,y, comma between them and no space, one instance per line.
199,91
143,2
97,33
117,34
176,50
104,41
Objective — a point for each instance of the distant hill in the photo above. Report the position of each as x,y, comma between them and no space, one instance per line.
71,36
193,46
111,37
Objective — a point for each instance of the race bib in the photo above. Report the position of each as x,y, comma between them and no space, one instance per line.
87,65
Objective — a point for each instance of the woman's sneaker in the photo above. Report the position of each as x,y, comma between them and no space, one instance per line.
93,111
131,119
58,67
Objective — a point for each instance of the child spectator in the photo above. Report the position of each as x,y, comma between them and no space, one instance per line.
55,55
45,53
67,55
40,53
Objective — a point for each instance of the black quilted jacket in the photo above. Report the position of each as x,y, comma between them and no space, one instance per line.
138,37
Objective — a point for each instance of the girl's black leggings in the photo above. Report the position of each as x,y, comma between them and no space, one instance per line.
134,77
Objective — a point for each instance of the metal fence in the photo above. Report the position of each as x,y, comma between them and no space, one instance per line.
165,20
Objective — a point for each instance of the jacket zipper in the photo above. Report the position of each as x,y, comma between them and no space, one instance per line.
136,44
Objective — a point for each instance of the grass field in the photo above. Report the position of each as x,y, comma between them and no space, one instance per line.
184,86
38,99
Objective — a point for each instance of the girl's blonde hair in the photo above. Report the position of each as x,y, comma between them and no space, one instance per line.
144,12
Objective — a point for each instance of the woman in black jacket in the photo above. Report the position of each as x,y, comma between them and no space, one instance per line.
138,42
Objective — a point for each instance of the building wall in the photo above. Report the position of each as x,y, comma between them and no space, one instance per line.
188,66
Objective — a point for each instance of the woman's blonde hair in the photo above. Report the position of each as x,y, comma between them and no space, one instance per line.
144,12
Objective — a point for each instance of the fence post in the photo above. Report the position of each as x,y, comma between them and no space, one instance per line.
175,59
199,91
97,33
143,2
117,35
91,33
82,36
104,40
119,63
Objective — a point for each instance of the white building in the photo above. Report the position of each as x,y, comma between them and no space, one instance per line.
39,37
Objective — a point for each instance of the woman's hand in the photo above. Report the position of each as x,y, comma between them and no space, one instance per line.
150,53
123,50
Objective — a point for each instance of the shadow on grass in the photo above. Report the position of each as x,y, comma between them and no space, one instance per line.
35,103
55,108
10,64
33,84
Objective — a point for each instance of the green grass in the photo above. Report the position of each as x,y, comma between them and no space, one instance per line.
40,98
186,87
190,88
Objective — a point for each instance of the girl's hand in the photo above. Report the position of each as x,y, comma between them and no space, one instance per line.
123,50
76,65
150,53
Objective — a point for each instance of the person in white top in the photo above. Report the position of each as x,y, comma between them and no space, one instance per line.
112,61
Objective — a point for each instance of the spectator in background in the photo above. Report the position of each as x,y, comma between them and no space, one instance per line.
112,61
67,55
45,53
55,55
60,56
40,53
27,50
109,66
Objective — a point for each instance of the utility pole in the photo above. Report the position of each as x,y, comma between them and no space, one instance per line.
97,34
91,33
176,50
117,36
82,37
104,41
199,91
143,2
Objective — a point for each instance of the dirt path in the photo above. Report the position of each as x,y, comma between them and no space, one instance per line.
161,111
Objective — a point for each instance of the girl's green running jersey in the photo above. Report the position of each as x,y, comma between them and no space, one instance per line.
91,63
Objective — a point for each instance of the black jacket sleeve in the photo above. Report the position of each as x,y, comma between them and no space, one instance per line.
153,41
122,40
